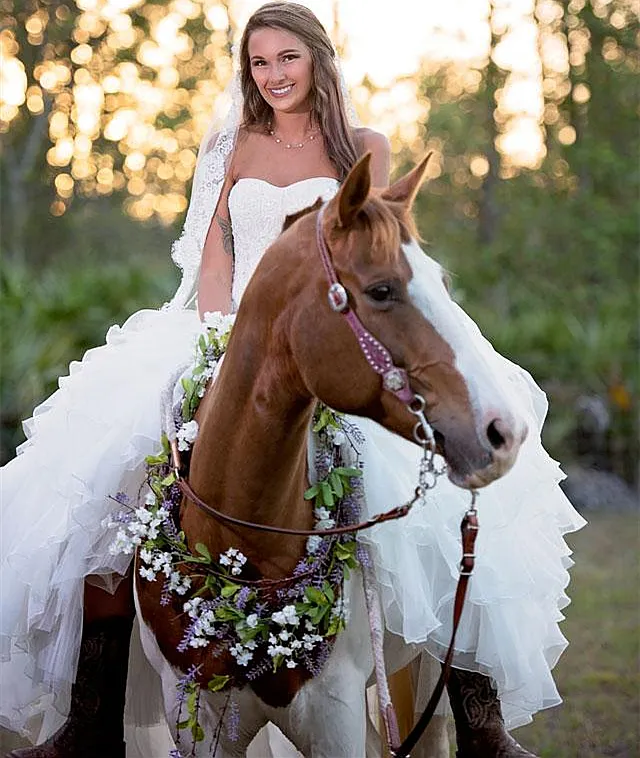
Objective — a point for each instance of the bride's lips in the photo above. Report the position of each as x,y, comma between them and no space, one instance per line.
280,91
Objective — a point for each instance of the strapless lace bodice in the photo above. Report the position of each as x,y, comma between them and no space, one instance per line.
258,209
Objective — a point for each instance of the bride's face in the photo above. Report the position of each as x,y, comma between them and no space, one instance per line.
282,69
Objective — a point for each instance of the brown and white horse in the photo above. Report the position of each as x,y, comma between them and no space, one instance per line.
289,349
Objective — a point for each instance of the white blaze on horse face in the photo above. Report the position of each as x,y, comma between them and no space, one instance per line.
491,395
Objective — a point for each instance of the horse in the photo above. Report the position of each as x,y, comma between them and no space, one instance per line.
288,350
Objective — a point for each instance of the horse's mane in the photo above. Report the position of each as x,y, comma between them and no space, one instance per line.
389,222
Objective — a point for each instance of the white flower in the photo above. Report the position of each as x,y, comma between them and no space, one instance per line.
191,607
150,499
143,515
284,636
252,620
135,527
147,573
339,439
123,543
291,664
313,543
327,523
233,558
187,435
221,324
322,513
146,556
290,615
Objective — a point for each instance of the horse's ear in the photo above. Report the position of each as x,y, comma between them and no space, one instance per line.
405,190
354,192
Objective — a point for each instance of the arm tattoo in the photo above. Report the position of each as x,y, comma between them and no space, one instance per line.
227,235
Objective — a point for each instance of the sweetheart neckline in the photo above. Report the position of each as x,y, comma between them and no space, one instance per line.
283,186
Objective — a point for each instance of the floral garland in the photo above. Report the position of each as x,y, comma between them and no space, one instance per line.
295,625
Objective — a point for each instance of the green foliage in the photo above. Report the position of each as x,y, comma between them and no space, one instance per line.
51,316
555,289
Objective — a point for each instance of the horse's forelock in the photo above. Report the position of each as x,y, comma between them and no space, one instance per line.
389,223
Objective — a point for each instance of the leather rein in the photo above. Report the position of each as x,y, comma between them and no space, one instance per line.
396,381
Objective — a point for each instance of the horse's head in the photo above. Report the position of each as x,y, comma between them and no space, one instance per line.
399,295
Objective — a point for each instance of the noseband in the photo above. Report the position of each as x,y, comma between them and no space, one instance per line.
394,378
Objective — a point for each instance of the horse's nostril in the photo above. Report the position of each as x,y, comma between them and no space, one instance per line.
496,437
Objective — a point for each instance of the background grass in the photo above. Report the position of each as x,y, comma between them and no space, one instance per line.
598,675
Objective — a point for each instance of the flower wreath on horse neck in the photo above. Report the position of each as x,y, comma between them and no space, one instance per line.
261,627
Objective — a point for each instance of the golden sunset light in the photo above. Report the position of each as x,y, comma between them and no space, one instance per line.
122,86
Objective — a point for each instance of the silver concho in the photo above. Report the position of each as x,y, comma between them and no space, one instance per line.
338,298
394,380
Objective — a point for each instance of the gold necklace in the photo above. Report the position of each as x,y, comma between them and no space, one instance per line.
289,145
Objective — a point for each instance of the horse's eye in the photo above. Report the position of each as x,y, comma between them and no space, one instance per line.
380,293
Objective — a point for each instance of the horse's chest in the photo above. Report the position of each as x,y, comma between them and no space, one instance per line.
169,626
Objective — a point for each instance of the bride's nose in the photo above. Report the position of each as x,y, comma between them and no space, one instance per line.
277,73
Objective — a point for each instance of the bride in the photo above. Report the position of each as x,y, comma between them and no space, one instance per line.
66,609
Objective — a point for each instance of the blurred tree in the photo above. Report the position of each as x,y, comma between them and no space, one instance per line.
555,285
100,97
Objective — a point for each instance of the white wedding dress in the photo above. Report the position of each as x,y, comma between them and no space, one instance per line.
88,441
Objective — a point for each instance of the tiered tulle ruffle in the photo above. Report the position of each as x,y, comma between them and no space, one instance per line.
85,443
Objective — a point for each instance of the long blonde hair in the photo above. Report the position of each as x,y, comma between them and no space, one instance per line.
328,108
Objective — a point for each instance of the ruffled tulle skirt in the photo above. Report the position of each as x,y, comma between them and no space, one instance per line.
88,441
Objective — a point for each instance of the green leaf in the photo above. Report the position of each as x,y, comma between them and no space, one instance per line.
203,550
311,492
350,472
155,460
183,724
202,344
217,683
168,480
315,596
197,732
336,484
229,589
327,494
192,701
328,591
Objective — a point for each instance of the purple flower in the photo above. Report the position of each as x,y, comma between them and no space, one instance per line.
363,556
184,643
165,598
184,683
175,753
233,721
242,597
122,498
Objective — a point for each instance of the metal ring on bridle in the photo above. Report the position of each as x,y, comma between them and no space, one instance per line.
422,431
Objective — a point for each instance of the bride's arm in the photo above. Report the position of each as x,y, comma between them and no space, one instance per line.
216,270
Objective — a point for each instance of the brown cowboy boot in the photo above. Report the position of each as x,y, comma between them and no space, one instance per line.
480,731
94,728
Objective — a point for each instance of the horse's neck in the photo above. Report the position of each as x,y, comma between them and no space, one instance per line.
250,459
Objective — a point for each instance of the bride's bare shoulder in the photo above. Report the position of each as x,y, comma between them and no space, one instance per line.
369,140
